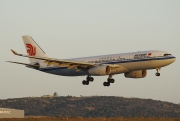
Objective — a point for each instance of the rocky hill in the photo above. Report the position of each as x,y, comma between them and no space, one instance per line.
100,106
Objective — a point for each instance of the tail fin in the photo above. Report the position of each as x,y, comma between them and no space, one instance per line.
33,49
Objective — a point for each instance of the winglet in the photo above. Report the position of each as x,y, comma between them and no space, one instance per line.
15,53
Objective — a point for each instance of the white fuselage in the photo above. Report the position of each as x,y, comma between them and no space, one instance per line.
142,60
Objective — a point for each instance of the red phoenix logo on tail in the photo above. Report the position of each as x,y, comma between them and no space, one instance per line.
31,50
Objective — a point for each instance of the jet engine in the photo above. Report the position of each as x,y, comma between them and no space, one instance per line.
136,74
100,70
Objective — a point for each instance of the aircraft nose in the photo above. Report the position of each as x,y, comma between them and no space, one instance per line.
173,58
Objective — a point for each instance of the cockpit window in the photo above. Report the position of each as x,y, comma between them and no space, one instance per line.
167,54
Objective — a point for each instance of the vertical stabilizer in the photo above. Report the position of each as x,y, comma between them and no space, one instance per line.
33,49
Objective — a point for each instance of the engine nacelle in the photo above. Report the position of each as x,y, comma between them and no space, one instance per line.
136,74
100,70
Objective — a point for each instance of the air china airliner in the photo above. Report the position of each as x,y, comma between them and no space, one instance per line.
133,65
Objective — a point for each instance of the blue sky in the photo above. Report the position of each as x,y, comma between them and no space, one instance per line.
68,29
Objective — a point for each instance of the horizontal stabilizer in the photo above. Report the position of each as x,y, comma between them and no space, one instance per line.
29,65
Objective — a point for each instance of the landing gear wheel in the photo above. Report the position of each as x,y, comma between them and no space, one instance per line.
106,84
110,80
87,82
157,74
84,82
90,78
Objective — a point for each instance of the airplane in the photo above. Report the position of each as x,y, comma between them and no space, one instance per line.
133,65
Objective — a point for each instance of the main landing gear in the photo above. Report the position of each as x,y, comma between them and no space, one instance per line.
88,79
157,73
109,81
91,79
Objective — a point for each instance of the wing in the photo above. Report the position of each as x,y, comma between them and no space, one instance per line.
62,63
58,62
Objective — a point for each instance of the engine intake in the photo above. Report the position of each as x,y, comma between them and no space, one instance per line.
136,74
99,70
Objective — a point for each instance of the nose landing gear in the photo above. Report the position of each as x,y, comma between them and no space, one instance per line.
157,73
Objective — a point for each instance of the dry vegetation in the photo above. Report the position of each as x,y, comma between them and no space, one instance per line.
91,119
93,107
